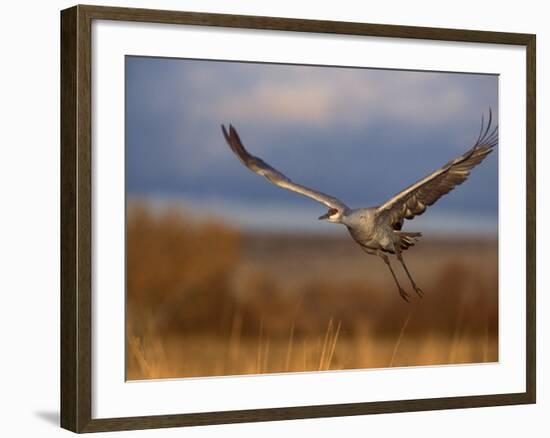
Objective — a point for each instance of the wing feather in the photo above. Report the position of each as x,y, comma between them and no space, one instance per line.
260,167
414,200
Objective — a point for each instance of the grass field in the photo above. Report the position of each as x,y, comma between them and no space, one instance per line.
206,299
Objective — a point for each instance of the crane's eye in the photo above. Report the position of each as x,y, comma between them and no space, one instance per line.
332,211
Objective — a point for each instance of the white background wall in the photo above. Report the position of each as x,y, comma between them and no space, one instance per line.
29,218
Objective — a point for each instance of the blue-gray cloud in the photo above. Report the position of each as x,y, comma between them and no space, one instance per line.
358,134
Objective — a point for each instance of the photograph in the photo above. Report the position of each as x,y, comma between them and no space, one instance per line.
285,218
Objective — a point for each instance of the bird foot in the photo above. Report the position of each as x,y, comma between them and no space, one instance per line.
418,291
404,295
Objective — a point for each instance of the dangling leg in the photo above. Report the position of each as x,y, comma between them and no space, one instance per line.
415,287
402,292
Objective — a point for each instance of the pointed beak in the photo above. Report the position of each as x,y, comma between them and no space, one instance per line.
325,216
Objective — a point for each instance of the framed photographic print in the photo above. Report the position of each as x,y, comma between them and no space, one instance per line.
268,218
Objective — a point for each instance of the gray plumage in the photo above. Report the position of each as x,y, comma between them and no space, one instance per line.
377,230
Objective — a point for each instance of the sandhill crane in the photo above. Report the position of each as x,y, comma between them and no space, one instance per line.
377,230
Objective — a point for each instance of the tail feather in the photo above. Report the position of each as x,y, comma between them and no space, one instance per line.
407,239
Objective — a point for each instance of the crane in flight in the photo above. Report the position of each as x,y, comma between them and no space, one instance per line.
378,230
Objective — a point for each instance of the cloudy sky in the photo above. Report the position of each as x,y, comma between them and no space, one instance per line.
361,135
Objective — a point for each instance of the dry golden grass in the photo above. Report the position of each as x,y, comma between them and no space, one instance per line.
204,299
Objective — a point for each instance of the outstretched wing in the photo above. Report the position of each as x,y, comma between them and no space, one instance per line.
262,168
414,199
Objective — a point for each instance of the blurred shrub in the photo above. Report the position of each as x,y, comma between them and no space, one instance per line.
178,270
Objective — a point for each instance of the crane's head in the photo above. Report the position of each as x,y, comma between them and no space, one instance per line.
333,215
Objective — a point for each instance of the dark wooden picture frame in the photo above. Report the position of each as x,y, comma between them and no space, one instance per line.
76,218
